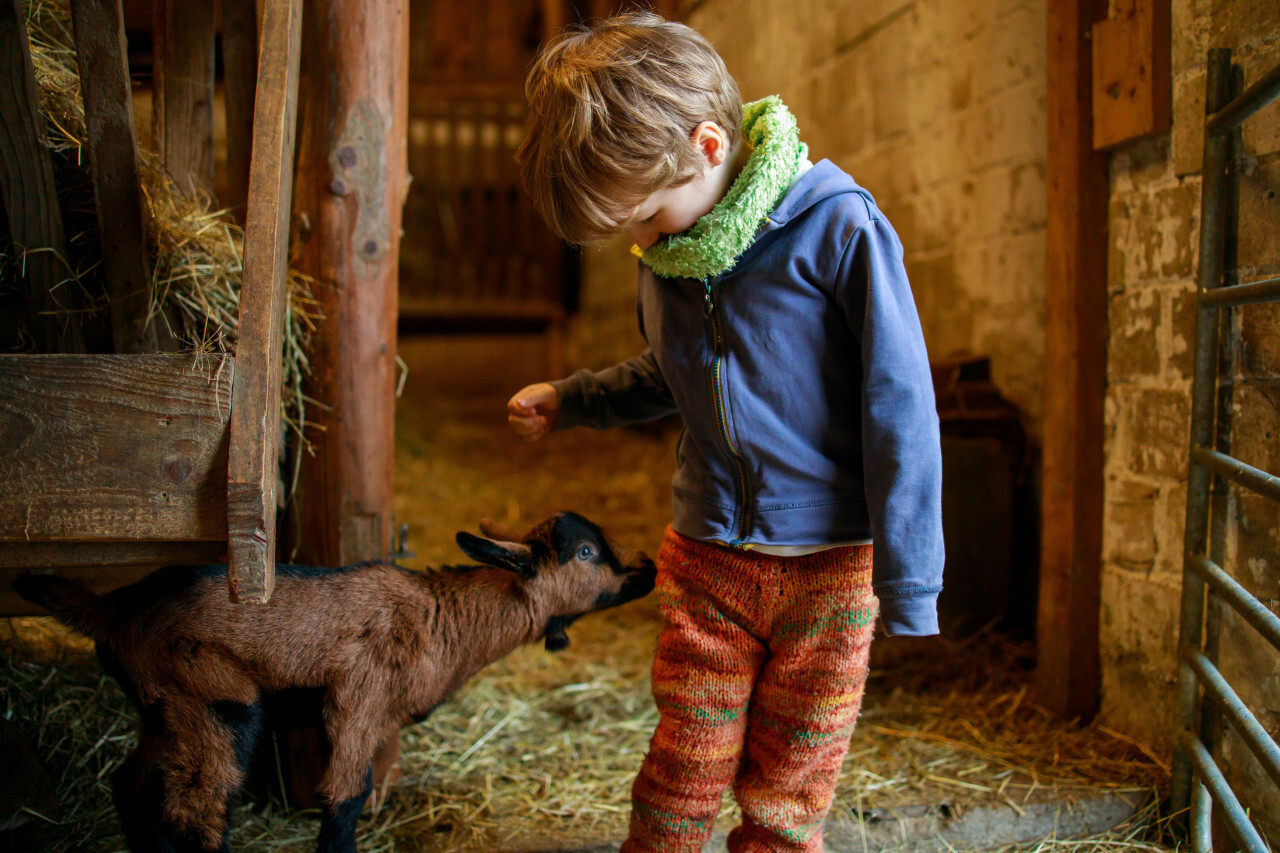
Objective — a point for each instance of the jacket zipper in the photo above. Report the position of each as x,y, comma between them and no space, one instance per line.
717,383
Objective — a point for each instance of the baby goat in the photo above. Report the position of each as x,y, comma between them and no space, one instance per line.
377,647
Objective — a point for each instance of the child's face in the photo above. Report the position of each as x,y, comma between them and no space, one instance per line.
672,210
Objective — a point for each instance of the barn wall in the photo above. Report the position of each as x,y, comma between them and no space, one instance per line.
1154,227
935,106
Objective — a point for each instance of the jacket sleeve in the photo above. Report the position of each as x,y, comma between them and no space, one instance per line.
901,450
626,393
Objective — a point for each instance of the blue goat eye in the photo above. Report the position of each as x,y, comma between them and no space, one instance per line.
585,552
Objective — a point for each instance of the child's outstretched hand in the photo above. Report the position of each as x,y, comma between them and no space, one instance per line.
533,410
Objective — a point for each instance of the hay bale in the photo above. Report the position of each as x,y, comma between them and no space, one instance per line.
197,247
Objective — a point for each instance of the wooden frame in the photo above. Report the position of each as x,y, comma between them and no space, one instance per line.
1067,672
110,464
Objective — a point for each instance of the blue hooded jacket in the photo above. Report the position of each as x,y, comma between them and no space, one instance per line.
803,381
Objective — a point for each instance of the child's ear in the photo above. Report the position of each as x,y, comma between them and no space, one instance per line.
710,138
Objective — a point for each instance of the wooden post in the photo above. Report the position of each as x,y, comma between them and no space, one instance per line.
255,396
1067,671
350,190
28,192
239,75
102,57
182,106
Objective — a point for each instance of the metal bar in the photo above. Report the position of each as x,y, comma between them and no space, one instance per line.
1240,473
1257,96
1201,819
1242,294
1217,94
1237,819
1250,608
1262,744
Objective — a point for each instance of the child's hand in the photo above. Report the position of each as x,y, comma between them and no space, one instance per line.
533,410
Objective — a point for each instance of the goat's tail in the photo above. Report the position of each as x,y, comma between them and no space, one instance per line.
69,602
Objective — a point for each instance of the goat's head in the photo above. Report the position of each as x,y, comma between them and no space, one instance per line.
568,563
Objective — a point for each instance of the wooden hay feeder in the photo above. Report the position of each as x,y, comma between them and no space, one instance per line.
111,465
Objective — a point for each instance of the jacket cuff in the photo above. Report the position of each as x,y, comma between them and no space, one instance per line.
909,615
572,404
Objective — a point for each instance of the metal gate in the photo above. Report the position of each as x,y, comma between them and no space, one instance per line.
1205,698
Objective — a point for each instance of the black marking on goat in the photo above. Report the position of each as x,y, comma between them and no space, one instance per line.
291,570
173,580
555,637
338,824
139,806
636,586
295,707
422,716
112,666
244,722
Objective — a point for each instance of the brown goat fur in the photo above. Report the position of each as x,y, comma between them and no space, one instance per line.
382,645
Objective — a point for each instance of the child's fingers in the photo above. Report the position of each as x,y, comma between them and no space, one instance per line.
529,427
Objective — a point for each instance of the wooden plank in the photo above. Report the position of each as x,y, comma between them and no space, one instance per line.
113,447
28,193
182,110
1067,672
239,79
102,57
255,420
1132,80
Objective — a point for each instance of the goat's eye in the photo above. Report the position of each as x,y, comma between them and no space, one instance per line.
585,552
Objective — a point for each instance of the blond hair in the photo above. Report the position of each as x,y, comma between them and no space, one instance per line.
612,108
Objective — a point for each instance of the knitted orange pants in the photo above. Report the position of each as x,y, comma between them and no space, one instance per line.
758,678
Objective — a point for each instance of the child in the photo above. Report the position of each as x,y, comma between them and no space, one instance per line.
781,326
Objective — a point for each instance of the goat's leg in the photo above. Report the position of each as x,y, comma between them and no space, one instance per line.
352,723
203,769
138,789
338,825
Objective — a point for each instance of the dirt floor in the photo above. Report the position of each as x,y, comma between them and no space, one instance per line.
538,751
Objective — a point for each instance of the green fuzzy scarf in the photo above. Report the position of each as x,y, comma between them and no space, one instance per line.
716,241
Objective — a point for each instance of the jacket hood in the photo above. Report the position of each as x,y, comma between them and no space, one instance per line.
821,182
824,181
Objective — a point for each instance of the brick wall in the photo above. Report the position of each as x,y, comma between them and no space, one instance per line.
1154,226
936,107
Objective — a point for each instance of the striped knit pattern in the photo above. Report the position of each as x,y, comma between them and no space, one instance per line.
758,678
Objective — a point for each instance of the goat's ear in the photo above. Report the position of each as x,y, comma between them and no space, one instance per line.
556,638
511,556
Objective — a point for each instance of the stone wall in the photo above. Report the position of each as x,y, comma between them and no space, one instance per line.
936,107
1154,232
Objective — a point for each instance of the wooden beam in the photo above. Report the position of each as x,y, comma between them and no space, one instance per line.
352,182
182,106
1067,669
28,193
113,447
1132,78
239,80
255,412
102,57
